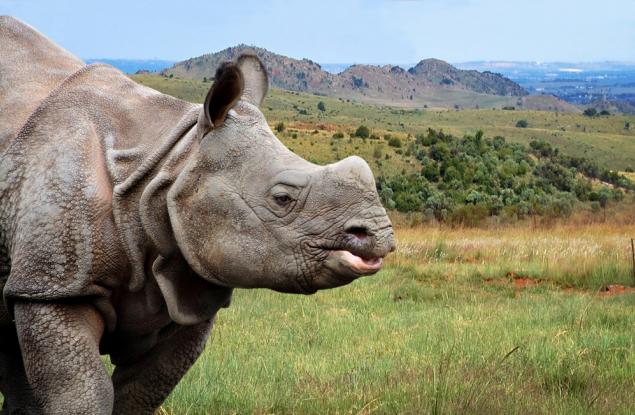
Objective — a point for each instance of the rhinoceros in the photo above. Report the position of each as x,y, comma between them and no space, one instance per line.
127,217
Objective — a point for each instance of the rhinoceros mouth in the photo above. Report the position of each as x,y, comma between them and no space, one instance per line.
347,265
343,261
358,264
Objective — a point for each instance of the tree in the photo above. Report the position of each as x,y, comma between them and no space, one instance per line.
280,127
522,124
362,131
590,112
321,106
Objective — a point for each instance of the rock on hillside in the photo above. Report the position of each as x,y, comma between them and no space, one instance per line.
437,71
432,81
284,72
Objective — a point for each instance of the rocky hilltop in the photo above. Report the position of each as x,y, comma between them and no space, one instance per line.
431,82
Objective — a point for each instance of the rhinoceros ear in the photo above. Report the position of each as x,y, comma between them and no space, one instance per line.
256,79
222,96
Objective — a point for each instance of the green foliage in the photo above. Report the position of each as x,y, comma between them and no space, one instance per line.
280,127
394,142
362,131
590,112
321,106
582,165
522,124
466,180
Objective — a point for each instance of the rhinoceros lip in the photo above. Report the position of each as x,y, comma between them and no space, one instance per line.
346,264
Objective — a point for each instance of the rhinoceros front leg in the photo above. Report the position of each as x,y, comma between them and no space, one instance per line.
142,386
59,344
18,396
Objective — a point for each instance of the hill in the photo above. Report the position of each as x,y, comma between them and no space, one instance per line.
610,141
439,163
430,83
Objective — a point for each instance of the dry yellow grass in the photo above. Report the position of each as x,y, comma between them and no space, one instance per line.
588,256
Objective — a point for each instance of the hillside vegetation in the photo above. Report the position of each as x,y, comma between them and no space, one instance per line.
457,166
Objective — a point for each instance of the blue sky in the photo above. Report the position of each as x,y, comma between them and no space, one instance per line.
340,31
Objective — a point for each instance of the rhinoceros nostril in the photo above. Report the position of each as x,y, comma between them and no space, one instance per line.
359,232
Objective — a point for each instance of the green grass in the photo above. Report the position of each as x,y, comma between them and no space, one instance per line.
447,349
603,139
427,336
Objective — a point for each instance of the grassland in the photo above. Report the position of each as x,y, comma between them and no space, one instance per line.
444,329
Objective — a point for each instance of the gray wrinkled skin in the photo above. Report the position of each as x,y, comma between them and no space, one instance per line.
127,217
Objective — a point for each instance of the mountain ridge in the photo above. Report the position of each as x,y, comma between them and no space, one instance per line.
430,82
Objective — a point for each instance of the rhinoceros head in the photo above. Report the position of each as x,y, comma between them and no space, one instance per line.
247,212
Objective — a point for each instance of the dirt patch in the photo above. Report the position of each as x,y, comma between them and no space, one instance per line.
616,289
520,282
312,127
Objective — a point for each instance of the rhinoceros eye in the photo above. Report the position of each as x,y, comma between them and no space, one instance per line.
282,199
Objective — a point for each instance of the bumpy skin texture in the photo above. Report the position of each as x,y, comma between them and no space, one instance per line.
127,217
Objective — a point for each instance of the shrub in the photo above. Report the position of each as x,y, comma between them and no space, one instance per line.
590,112
321,106
496,178
522,124
541,148
394,142
280,127
362,131
377,151
338,135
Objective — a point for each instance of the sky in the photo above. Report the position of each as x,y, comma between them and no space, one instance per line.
340,31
